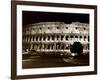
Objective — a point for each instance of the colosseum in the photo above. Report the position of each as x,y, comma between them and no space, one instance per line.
55,38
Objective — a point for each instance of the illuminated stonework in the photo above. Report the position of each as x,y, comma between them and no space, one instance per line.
55,37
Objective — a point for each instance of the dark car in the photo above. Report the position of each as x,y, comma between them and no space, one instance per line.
32,52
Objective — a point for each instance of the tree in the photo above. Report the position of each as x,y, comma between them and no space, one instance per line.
76,48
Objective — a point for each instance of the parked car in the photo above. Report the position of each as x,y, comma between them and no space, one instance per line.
33,52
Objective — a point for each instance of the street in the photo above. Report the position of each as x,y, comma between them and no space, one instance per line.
43,62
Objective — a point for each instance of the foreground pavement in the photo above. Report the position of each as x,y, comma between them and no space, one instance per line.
43,62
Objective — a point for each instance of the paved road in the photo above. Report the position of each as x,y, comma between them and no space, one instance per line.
42,62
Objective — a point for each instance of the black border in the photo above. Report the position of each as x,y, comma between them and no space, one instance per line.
14,4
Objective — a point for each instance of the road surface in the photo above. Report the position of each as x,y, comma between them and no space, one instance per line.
43,62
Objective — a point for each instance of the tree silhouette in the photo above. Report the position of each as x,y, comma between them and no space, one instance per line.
76,48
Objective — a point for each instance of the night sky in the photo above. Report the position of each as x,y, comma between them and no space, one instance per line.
30,17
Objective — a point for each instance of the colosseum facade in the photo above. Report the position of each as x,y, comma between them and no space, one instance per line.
55,37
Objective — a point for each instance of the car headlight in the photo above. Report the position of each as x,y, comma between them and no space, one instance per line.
73,54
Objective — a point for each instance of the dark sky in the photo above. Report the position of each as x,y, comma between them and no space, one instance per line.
30,17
